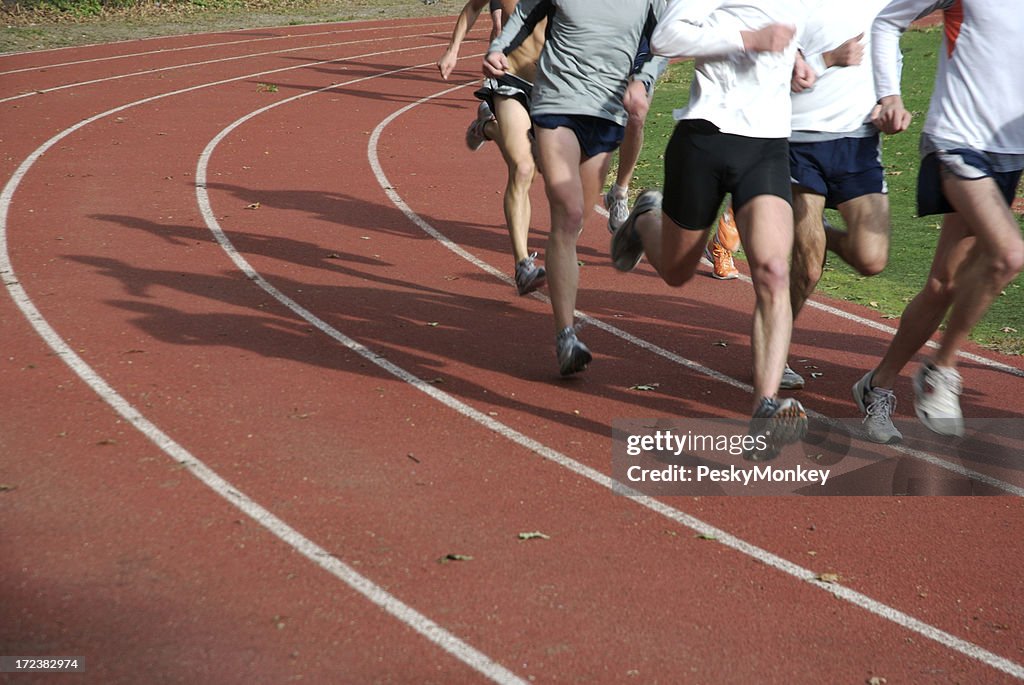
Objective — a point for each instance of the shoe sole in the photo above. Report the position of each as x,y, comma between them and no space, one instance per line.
789,425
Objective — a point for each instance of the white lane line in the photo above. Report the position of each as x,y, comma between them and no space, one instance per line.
204,46
404,613
851,596
190,65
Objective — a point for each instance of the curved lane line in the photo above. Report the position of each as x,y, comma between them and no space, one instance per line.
277,527
221,60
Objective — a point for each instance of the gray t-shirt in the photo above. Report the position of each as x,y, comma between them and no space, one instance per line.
592,49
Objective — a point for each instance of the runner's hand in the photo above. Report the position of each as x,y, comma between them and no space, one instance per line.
770,38
890,116
848,54
495,64
446,64
803,75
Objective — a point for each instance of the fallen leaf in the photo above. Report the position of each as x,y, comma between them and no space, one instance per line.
254,205
828,577
432,324
4,487
720,343
706,536
644,387
873,303
1009,329
535,535
454,557
877,680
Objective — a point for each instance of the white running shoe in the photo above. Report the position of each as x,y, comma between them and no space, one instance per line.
618,210
937,399
878,405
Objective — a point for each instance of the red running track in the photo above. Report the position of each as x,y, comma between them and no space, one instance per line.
262,377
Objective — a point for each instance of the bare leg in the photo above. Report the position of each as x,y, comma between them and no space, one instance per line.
674,252
572,185
864,244
766,229
922,316
996,260
514,142
808,247
629,152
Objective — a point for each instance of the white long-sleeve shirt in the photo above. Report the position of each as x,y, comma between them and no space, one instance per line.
978,98
841,100
742,93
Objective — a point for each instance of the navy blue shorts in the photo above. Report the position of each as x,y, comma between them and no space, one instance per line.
966,164
840,169
702,164
595,135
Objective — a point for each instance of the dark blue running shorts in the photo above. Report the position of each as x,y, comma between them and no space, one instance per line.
595,135
840,169
966,164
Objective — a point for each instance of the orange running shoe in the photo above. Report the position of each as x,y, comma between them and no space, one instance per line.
724,269
728,235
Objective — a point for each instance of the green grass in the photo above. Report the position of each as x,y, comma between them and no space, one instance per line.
913,238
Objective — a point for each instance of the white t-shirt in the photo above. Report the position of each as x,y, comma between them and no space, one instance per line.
742,93
841,100
978,98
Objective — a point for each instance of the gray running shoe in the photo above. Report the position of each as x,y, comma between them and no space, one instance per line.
573,355
937,399
791,380
878,405
626,247
618,210
774,425
529,277
475,135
